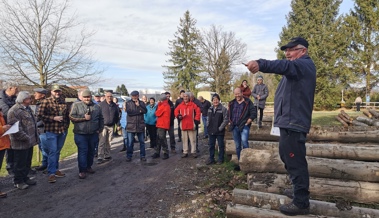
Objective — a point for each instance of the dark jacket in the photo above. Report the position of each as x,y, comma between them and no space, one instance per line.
205,106
135,120
217,120
295,93
27,136
262,91
83,126
172,115
6,102
110,113
247,112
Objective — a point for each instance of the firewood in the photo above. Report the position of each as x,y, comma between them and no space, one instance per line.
374,113
367,113
358,123
342,121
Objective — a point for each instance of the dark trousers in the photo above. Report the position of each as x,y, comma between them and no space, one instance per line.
30,157
179,130
152,130
172,137
260,113
358,106
221,147
162,142
21,168
292,152
86,150
2,153
10,159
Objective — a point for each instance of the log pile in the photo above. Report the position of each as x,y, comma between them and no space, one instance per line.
370,118
339,173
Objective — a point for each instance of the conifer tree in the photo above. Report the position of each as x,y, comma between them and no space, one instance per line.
318,22
185,62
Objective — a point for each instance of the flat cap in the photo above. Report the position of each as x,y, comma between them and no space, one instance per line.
40,90
86,93
134,93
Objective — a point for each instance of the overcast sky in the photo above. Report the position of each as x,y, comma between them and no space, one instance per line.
132,36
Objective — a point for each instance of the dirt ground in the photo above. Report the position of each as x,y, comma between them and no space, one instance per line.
176,187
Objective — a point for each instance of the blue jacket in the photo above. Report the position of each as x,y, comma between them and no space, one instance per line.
123,120
150,118
294,96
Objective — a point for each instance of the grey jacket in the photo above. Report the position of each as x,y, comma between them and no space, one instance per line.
83,126
27,136
262,91
135,119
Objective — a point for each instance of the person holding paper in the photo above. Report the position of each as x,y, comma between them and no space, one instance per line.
293,107
5,143
22,142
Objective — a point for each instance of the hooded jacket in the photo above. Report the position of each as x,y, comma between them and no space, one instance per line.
163,114
190,112
294,96
262,91
150,118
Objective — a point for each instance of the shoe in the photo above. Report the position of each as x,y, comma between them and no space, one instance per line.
210,161
292,210
184,155
288,192
82,175
122,150
173,151
30,182
260,124
179,140
155,155
219,162
197,150
237,168
165,156
41,168
194,155
52,178
143,159
100,161
21,186
107,158
3,194
44,171
59,174
90,170
128,159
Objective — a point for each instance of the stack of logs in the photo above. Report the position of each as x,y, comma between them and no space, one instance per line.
370,119
339,173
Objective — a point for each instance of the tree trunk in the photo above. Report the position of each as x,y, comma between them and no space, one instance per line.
273,201
342,121
269,161
358,123
346,115
320,189
348,121
368,114
351,134
374,113
360,152
368,121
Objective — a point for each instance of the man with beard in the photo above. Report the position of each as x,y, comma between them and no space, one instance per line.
54,112
88,123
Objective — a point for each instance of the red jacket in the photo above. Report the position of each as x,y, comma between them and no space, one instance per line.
163,114
246,92
190,112
5,142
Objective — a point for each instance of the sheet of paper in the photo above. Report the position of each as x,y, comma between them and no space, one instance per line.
13,129
274,130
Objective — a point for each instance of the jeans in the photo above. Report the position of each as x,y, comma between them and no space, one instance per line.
21,168
41,147
221,147
292,152
130,148
86,150
125,137
204,119
241,138
54,145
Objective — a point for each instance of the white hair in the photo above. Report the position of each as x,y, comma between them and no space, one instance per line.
22,96
10,84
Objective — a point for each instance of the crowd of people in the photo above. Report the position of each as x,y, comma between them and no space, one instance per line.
96,118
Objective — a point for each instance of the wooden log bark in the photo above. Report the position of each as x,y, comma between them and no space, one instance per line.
320,188
269,161
351,134
360,152
367,113
345,115
243,211
374,113
368,121
358,123
342,121
348,121
273,202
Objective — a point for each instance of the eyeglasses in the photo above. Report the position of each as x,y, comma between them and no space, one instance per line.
292,49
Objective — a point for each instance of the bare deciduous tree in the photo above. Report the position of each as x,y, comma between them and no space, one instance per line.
39,44
220,51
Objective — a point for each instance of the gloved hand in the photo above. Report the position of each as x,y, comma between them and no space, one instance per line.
180,117
197,122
